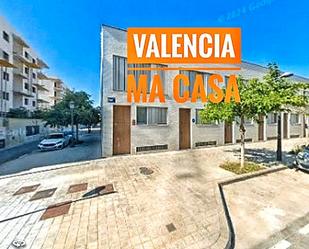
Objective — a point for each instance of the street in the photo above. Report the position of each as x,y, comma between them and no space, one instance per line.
88,150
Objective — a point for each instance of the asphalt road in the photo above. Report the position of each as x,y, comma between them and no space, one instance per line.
88,150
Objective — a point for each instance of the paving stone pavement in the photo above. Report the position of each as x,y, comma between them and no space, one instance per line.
182,191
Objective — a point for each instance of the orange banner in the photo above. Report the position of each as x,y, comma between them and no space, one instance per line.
184,45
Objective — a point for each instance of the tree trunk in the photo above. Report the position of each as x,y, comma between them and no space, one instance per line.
242,131
77,139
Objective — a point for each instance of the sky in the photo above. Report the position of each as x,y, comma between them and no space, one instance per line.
66,34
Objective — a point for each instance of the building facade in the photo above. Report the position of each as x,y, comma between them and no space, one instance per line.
23,83
130,128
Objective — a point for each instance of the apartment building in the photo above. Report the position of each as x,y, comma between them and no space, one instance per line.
51,91
130,128
23,83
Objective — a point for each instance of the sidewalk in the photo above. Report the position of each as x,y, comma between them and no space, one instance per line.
177,206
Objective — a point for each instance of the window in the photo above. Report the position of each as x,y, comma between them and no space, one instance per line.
33,90
151,115
199,121
272,118
26,70
33,61
6,36
33,103
5,95
141,115
33,75
26,101
26,86
294,119
26,55
137,73
55,94
6,76
162,76
55,84
192,76
5,56
119,73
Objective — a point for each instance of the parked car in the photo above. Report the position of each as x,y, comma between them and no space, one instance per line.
302,159
70,136
54,141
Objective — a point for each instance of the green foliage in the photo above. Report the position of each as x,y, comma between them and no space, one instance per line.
84,112
20,112
259,97
236,168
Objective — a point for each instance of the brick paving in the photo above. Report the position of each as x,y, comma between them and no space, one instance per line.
177,206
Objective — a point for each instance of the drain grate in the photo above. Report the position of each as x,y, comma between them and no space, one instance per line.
101,190
26,189
145,171
77,188
171,227
43,194
18,243
56,210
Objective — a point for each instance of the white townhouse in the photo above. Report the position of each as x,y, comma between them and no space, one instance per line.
131,128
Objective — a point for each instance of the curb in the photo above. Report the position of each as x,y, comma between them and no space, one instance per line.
230,244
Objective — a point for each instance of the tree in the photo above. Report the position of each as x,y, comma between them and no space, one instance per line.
258,97
60,114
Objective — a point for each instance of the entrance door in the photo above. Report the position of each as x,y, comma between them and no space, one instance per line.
121,130
285,125
261,128
184,129
228,139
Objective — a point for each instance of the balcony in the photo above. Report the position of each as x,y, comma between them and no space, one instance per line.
40,87
20,41
19,72
23,93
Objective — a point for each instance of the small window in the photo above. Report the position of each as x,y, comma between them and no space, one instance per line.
33,61
26,70
33,103
5,56
26,55
141,115
272,118
6,36
6,76
55,94
6,95
294,119
33,75
55,84
26,101
151,115
119,73
26,85
33,89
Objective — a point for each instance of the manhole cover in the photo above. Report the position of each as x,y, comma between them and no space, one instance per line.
26,189
145,171
43,194
18,243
